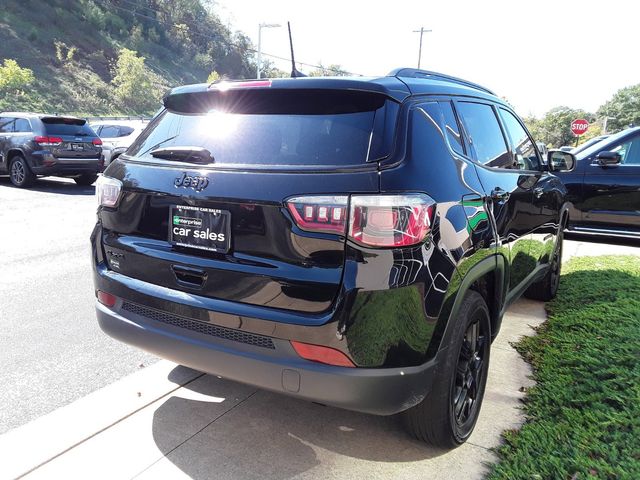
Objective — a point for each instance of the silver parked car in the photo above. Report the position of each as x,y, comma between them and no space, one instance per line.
117,136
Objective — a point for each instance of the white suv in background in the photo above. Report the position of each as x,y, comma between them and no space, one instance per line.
117,135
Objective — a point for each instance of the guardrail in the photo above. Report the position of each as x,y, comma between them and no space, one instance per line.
130,117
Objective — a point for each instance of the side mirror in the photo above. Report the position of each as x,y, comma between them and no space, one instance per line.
606,158
560,161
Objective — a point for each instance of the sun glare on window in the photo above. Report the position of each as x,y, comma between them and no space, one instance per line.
217,124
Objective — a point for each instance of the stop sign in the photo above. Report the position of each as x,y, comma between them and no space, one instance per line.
579,126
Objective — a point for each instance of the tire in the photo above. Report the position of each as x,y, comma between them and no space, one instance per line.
547,288
86,179
447,416
19,172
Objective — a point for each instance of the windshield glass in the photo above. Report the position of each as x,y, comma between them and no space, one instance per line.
264,139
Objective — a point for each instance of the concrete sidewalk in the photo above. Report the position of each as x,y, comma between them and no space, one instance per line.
168,421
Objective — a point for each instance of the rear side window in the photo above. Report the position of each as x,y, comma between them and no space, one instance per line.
485,135
125,131
22,125
109,131
525,153
274,128
67,126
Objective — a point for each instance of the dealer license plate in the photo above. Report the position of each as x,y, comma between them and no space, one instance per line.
201,228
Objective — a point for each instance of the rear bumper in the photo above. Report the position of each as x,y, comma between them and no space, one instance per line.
383,391
46,164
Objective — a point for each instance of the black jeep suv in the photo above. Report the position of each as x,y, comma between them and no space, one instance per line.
34,145
349,241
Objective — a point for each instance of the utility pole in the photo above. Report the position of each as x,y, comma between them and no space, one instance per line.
422,31
605,122
259,60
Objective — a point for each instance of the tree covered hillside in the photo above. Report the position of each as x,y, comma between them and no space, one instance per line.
111,56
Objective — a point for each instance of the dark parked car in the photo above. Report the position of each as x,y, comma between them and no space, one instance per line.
33,145
588,143
354,242
604,188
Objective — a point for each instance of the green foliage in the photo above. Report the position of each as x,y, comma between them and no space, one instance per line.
623,109
554,128
13,78
583,414
270,71
137,89
71,53
332,70
64,53
75,76
60,50
213,77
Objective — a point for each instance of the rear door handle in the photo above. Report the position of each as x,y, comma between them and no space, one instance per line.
538,192
498,194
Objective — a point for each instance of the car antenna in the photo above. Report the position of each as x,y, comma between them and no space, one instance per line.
294,71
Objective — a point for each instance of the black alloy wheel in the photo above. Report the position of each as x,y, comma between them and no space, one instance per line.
446,417
469,378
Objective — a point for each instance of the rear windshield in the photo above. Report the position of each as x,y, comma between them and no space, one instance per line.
265,139
279,128
67,126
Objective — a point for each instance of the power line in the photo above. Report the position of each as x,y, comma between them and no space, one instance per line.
218,38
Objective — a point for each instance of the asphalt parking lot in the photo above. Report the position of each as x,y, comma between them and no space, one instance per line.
70,393
52,349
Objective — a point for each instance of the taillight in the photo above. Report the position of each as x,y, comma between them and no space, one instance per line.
320,213
48,141
96,142
319,353
373,220
108,191
390,220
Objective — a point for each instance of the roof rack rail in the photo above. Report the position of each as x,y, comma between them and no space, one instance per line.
416,73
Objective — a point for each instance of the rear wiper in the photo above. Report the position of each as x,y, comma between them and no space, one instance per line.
156,145
184,154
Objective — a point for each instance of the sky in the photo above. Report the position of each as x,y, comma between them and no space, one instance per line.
538,54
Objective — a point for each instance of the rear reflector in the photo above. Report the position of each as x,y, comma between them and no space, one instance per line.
318,353
106,298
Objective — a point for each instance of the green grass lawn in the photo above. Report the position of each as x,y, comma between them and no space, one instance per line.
583,415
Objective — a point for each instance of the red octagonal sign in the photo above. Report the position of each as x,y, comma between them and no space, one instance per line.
579,126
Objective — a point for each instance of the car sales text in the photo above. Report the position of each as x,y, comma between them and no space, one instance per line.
202,234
